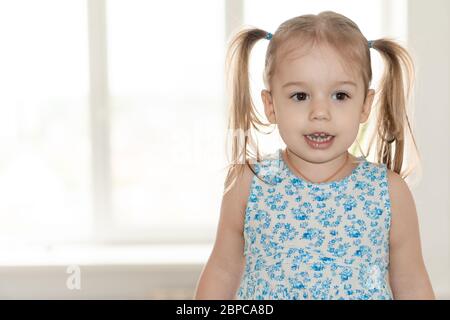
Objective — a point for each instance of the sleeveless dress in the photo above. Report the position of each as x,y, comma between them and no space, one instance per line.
316,240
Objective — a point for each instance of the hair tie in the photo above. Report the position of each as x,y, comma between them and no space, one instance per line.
269,36
370,43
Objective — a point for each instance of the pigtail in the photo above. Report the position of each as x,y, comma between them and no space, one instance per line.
241,110
392,118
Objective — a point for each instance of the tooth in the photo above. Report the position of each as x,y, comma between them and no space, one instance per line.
319,138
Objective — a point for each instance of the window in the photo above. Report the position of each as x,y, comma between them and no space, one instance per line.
113,120
167,117
44,128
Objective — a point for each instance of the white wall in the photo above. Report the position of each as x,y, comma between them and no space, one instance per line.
147,281
429,38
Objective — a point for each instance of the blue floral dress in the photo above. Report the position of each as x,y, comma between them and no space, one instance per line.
316,240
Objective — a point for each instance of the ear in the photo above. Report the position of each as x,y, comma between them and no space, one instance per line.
269,110
367,106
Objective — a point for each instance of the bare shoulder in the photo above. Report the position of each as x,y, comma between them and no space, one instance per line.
403,208
238,194
228,248
407,272
398,188
396,182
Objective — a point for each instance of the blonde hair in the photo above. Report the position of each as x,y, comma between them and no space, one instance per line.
342,34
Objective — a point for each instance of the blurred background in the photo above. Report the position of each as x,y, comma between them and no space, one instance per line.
113,127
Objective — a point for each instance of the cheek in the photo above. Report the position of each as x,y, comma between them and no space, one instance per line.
349,129
287,123
348,120
291,129
292,116
290,123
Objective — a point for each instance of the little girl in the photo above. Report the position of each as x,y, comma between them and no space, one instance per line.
313,221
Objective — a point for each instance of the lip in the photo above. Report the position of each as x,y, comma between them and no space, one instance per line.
320,132
319,145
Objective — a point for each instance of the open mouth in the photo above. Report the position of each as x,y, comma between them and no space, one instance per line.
319,141
319,138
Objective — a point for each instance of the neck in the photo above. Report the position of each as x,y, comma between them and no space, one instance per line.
318,172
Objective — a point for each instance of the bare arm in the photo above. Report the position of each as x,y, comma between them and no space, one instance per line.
221,275
407,273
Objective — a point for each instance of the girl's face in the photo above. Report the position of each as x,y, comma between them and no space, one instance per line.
307,96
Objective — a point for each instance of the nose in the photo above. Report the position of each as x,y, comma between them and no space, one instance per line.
319,111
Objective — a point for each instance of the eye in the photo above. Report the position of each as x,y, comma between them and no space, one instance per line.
341,95
300,95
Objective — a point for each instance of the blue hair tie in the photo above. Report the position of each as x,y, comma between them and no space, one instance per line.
269,36
370,43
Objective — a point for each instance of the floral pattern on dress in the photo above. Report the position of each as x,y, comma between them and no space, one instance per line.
316,240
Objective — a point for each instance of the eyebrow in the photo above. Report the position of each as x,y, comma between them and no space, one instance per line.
295,83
